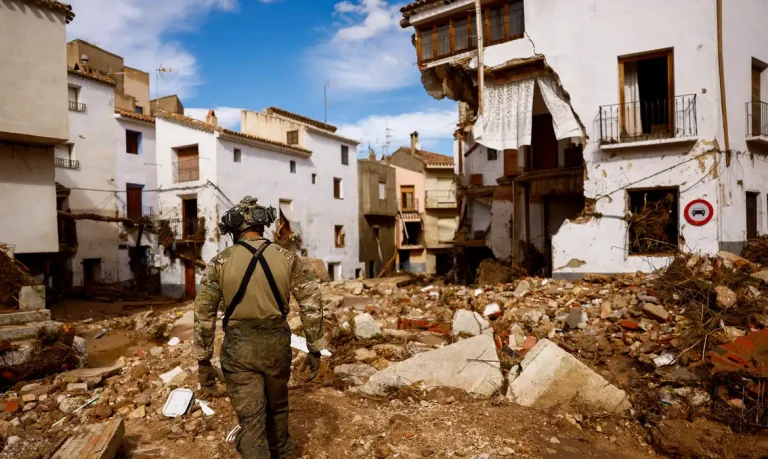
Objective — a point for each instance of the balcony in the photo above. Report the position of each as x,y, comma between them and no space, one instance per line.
187,229
757,122
147,213
186,170
648,122
75,106
66,163
440,199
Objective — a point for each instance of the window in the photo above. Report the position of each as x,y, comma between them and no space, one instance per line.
752,207
314,179
757,110
293,137
382,191
648,105
493,155
139,110
73,92
654,222
238,155
407,201
132,142
338,191
134,200
338,236
376,232
503,21
189,219
91,271
345,155
187,166
293,167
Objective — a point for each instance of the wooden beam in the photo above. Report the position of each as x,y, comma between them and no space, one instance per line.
101,218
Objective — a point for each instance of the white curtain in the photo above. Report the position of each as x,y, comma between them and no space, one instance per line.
633,123
507,116
563,119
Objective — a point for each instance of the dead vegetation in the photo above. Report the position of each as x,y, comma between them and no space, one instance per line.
756,251
649,225
52,351
13,276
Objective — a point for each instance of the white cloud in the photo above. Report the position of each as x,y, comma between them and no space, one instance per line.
368,51
139,31
432,126
228,117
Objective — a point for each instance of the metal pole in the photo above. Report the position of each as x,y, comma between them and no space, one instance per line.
480,68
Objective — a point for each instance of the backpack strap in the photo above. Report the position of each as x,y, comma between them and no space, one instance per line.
257,256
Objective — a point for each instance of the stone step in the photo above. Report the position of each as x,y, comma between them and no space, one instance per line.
27,330
22,317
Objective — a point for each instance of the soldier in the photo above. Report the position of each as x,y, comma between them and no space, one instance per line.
254,279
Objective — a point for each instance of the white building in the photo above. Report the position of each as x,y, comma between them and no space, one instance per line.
603,109
290,163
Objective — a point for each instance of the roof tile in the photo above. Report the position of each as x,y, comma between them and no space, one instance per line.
92,77
56,6
135,116
303,119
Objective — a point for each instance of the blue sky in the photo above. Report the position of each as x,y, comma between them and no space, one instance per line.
234,54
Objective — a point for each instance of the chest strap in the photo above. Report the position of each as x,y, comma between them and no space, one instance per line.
257,258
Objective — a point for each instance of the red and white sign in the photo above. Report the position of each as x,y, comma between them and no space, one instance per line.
699,212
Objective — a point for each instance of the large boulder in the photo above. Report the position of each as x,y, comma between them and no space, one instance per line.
471,365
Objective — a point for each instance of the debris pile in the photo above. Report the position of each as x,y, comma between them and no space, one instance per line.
12,278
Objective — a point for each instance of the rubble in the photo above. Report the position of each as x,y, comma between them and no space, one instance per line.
470,323
366,326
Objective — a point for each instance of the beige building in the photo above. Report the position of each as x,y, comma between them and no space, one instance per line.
33,119
427,211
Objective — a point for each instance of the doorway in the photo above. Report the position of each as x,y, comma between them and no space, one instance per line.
189,218
334,271
91,271
751,215
371,269
190,289
443,263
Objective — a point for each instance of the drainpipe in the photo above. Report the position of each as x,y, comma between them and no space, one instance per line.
480,68
723,104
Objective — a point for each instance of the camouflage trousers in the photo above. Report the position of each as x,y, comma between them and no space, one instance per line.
256,362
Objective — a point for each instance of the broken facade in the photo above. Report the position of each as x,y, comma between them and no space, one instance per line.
378,209
592,133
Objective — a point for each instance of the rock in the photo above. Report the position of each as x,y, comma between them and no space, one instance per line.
629,324
68,405
192,425
726,298
471,323
605,310
354,287
29,407
362,355
656,312
356,373
366,326
12,440
516,337
574,318
731,260
457,365
316,268
734,332
492,310
32,298
82,374
522,288
762,275
139,371
156,351
26,398
142,400
77,387
391,351
648,299
101,411
138,413
553,377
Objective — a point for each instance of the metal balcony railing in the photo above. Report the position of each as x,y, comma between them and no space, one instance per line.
77,107
409,205
146,212
186,170
757,119
673,118
184,229
67,163
440,199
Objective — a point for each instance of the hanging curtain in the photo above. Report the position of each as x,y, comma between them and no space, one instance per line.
563,119
633,123
507,116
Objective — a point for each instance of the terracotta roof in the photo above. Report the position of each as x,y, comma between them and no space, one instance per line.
203,126
56,6
303,119
92,77
429,158
135,116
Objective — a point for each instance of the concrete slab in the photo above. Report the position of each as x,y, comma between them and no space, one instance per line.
551,377
98,441
87,373
471,365
27,330
32,298
18,318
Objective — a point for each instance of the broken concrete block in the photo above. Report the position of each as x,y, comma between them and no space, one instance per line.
522,288
726,297
655,311
471,323
77,387
552,377
32,298
575,317
357,373
81,374
471,365
366,326
354,287
648,299
605,310
98,441
363,354
731,260
762,275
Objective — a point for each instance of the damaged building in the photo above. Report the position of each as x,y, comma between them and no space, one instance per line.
607,151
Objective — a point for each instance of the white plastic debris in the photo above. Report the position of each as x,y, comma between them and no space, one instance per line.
300,344
428,288
174,341
168,377
664,360
479,292
178,403
206,409
232,433
491,310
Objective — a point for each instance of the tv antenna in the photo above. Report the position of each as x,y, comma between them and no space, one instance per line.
159,74
325,102
387,136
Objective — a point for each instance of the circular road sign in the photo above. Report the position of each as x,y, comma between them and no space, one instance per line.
699,212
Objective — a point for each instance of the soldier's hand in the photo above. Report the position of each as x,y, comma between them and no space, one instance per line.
313,363
207,375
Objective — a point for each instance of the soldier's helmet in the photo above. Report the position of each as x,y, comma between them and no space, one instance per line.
247,214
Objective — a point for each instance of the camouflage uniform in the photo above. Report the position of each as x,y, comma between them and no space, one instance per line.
256,354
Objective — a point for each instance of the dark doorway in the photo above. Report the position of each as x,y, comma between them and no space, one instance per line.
405,260
751,215
652,78
543,143
190,289
91,271
371,269
189,217
443,263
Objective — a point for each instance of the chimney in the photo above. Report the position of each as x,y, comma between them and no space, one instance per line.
371,154
210,118
415,142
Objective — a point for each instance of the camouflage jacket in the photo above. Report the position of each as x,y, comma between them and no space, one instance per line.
222,279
